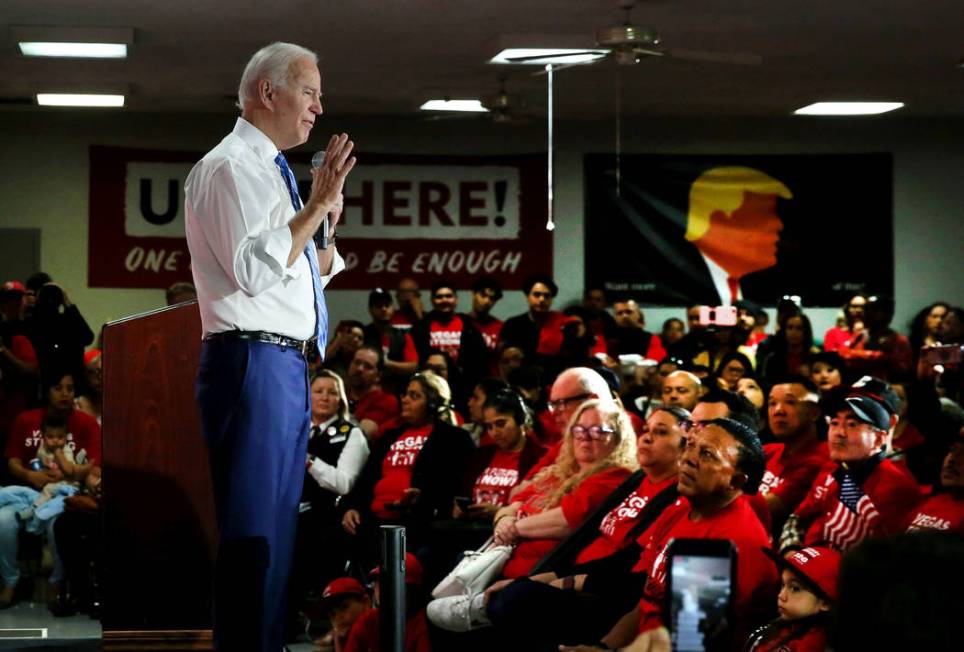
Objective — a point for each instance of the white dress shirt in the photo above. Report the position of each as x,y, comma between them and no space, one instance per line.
720,281
237,209
340,478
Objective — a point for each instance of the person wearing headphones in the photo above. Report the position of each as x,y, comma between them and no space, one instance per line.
413,472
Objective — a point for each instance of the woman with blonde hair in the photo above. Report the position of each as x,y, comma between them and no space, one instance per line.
597,454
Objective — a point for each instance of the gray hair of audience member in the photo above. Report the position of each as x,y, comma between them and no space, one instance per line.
272,62
589,382
343,410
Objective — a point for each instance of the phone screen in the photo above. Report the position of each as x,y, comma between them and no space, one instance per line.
701,590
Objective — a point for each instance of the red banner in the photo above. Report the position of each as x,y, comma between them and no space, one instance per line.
428,217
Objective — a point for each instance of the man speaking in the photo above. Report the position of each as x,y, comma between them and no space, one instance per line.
260,281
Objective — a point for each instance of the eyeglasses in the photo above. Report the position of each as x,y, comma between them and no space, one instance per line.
560,403
687,426
592,433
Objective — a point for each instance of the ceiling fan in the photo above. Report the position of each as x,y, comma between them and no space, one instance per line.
503,108
628,45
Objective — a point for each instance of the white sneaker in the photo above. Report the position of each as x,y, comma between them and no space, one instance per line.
459,613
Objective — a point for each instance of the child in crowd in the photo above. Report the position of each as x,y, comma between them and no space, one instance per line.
345,599
53,454
364,634
808,588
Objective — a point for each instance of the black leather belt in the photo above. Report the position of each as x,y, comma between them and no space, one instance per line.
304,347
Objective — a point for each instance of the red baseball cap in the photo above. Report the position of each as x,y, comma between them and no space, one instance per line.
90,356
13,286
343,586
817,566
413,570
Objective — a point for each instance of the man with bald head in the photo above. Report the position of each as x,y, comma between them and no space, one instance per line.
260,279
682,389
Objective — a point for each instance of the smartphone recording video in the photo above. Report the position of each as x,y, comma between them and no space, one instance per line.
701,585
718,315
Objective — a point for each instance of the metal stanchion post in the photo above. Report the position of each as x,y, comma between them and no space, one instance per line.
391,609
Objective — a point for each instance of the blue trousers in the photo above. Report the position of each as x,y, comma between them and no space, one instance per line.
255,416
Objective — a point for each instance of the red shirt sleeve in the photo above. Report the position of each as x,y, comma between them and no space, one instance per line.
87,435
590,493
411,353
798,476
363,635
20,431
655,350
21,347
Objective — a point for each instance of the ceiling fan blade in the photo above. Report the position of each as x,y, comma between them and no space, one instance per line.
736,58
539,57
556,67
454,115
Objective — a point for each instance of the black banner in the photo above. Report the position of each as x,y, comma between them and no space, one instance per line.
685,229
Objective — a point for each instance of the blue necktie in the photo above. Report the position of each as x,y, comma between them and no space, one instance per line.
321,312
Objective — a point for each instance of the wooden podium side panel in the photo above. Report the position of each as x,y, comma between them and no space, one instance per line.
160,531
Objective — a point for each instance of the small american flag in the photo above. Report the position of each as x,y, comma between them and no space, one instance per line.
854,517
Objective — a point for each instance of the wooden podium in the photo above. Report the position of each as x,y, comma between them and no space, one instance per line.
160,533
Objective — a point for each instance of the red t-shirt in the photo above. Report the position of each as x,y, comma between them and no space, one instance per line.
446,337
655,351
83,434
397,470
616,525
493,485
364,634
490,332
888,495
378,406
939,512
550,334
576,506
789,477
756,586
836,337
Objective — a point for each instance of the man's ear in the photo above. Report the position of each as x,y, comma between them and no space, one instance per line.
265,92
738,480
893,422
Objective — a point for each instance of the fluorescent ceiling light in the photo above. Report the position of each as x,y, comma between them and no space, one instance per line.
576,55
474,106
83,50
79,99
848,108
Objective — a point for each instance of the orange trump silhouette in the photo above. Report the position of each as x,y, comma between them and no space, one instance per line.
733,222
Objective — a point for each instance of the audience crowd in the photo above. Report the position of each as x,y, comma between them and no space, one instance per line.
578,439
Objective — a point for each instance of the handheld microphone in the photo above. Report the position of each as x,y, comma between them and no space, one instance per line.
321,236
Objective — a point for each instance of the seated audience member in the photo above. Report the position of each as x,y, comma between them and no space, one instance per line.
630,334
731,368
808,590
925,327
682,389
179,293
480,394
91,400
672,332
528,381
826,370
83,440
510,359
751,320
900,593
410,310
788,306
749,388
486,292
58,331
862,494
413,471
598,452
853,323
18,360
644,405
580,346
720,403
496,468
398,350
716,468
371,406
797,457
345,599
944,509
337,452
919,410
365,634
878,350
722,462
444,330
790,350
439,363
349,335
537,332
598,320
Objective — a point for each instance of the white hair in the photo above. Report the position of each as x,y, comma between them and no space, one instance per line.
272,62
